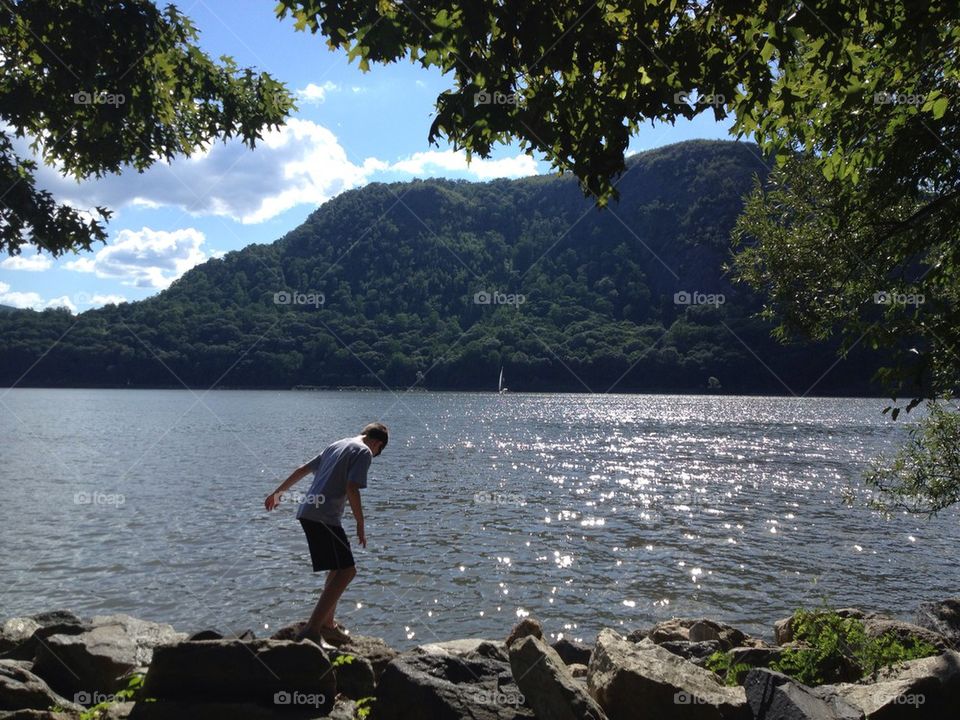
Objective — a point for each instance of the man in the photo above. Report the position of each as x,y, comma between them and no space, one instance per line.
340,472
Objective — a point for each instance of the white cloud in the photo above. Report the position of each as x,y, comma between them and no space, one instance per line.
62,301
145,258
30,263
443,162
19,299
314,94
301,163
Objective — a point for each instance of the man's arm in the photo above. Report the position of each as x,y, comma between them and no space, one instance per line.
353,495
273,499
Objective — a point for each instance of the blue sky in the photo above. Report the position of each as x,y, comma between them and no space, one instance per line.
351,128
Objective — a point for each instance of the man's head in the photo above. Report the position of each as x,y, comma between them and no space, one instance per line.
375,437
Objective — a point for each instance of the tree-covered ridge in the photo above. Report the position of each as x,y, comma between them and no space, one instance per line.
379,287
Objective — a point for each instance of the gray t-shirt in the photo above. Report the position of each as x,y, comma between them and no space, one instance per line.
345,461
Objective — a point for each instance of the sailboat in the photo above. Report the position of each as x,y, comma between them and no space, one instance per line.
501,388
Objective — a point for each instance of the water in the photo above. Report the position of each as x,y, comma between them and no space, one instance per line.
583,510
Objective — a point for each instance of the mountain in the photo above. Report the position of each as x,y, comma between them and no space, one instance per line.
439,283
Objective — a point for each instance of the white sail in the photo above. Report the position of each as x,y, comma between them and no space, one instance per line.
500,385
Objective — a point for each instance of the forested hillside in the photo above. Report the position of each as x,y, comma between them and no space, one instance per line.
385,286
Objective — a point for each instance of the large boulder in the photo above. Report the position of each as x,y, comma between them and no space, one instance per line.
20,689
928,688
695,652
695,631
906,633
446,686
277,673
774,696
572,652
373,649
467,647
942,618
642,680
20,637
355,677
547,685
97,660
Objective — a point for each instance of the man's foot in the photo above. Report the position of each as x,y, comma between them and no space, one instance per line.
308,634
334,634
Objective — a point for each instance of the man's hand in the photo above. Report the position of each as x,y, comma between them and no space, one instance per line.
273,499
361,535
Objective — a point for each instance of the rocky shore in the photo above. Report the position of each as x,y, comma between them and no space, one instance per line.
55,665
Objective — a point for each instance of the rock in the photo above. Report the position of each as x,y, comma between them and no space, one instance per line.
903,631
468,647
527,626
289,632
687,630
578,670
205,635
783,629
754,656
344,709
20,636
445,686
36,715
547,685
624,676
354,674
927,688
192,710
774,696
572,652
297,675
942,618
666,631
695,652
98,659
20,689
373,649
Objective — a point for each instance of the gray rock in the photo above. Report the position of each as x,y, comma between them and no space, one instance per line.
547,685
903,631
624,676
942,618
695,652
445,686
689,630
928,688
578,670
192,710
572,652
758,657
205,635
36,715
20,689
675,629
373,649
20,636
468,647
98,659
774,696
527,626
294,675
354,674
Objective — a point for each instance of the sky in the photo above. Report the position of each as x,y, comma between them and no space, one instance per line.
351,128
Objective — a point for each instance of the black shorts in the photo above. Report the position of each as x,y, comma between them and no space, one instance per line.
329,547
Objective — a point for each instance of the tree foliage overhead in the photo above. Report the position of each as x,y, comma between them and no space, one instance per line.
573,80
399,268
98,86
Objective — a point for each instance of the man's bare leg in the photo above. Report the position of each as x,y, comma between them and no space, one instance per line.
337,581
